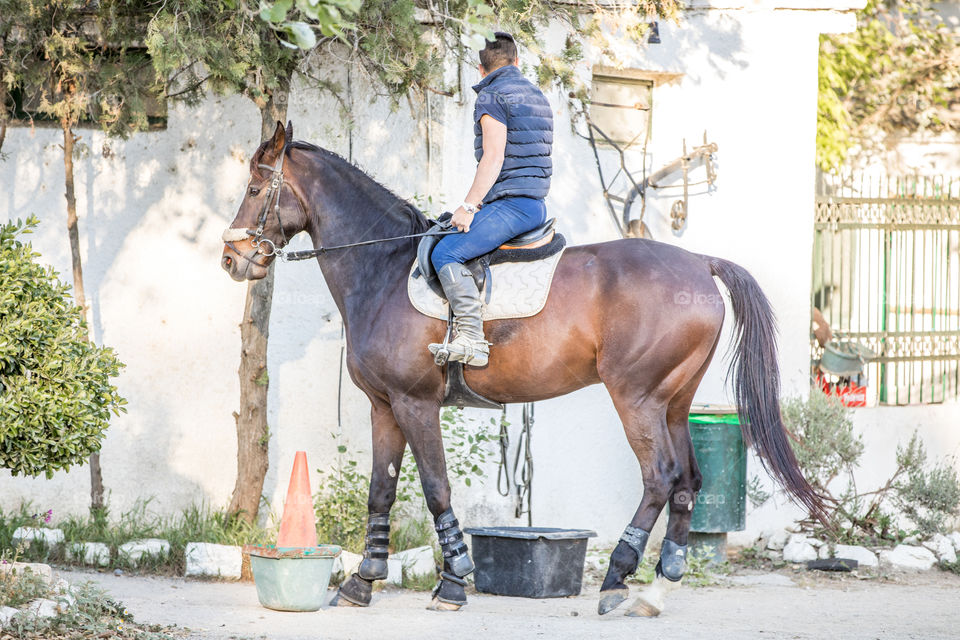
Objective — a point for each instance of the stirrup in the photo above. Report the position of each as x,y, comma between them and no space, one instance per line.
442,352
467,354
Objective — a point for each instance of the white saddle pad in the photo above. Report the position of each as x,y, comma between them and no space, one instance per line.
519,290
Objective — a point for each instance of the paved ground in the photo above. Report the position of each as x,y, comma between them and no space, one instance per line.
752,605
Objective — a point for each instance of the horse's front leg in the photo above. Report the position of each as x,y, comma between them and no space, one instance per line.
420,422
388,445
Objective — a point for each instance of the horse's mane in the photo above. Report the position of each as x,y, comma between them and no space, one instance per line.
418,221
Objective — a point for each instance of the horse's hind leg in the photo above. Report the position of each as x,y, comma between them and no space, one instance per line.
646,428
673,551
388,445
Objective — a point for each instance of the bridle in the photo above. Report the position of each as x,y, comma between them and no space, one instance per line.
272,201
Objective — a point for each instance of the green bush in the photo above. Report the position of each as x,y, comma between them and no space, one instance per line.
341,501
55,391
920,495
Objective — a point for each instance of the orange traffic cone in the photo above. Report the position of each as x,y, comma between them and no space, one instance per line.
298,528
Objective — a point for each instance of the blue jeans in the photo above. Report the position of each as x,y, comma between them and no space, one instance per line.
493,224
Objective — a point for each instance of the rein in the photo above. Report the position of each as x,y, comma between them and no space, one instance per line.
312,253
273,198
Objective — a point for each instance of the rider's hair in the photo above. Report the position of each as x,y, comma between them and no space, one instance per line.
499,52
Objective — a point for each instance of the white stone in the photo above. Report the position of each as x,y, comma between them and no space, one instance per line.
911,540
907,557
216,560
89,553
863,556
593,561
136,549
777,540
823,552
346,563
817,542
65,602
37,568
417,561
773,556
51,537
942,547
394,571
43,608
954,537
799,551
6,615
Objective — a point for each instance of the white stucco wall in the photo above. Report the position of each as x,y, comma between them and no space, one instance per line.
151,213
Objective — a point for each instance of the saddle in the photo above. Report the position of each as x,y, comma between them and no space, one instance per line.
533,245
536,244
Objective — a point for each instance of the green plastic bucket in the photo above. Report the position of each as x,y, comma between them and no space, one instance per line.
718,446
292,578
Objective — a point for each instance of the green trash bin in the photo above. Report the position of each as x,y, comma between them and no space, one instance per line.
721,504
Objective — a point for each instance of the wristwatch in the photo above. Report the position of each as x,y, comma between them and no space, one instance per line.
470,208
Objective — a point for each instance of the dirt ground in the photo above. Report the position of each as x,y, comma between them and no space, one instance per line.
749,604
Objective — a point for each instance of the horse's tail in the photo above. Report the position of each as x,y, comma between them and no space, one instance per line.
756,383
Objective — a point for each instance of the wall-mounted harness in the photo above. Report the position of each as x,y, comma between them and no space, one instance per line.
637,228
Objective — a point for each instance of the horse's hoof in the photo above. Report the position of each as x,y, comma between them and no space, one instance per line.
643,609
439,605
611,600
355,591
337,601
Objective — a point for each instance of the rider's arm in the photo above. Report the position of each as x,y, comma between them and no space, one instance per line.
494,146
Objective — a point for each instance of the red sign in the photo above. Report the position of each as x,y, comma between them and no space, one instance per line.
850,393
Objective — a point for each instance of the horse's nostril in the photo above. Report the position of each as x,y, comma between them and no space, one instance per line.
227,262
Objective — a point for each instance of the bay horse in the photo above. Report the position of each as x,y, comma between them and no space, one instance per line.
639,316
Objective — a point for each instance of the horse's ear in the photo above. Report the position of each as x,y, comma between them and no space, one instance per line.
277,142
289,131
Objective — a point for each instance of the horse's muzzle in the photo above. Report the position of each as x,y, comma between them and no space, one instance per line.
241,261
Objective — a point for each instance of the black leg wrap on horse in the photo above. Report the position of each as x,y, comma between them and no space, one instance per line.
673,560
375,551
636,539
451,589
455,555
357,590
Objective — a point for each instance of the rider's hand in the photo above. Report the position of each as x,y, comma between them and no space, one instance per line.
461,219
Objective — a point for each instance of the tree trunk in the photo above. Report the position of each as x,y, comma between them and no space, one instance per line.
253,432
3,118
96,477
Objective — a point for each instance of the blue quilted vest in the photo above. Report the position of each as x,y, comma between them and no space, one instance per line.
526,165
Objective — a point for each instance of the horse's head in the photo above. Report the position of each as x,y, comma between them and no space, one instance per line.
271,212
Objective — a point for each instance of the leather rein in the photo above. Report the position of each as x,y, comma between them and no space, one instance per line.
272,201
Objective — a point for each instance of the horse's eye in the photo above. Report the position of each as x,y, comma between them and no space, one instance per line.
254,191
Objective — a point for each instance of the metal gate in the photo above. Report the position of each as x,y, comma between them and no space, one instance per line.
886,274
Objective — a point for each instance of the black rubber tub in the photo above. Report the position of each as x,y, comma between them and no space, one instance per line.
529,562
